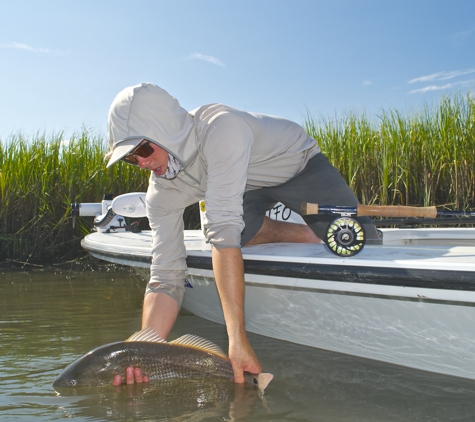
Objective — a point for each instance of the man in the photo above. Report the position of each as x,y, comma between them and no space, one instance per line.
242,164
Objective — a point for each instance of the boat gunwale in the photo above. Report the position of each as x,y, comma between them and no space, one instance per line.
334,270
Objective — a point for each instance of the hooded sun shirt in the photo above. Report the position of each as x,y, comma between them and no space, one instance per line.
174,167
216,153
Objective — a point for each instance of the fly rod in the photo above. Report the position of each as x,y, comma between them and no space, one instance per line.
345,236
382,211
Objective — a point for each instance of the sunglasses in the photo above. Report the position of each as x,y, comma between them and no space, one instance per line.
142,150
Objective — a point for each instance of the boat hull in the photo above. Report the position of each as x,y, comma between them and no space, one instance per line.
424,334
404,303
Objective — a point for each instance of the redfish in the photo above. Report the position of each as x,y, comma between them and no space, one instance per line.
188,357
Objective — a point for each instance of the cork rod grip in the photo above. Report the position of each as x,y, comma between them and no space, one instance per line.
396,211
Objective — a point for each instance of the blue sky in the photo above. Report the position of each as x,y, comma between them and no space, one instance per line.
63,62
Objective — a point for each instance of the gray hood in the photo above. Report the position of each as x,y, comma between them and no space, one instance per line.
146,111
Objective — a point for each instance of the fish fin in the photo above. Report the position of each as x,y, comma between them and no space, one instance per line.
147,334
263,381
190,340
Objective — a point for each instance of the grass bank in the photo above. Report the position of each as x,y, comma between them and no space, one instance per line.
39,179
421,158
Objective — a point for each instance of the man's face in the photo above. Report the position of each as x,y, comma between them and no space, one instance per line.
157,162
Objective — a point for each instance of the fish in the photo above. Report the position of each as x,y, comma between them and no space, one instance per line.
189,357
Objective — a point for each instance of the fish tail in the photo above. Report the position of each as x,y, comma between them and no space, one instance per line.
263,380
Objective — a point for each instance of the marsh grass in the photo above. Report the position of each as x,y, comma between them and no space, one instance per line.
39,179
423,158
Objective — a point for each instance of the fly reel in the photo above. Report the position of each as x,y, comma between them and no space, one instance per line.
345,236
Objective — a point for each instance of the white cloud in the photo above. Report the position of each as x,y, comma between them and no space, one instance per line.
431,88
21,46
204,57
462,35
366,82
442,76
440,87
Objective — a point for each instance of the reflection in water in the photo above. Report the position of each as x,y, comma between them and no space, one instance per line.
171,400
47,319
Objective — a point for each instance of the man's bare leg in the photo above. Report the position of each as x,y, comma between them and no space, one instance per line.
273,231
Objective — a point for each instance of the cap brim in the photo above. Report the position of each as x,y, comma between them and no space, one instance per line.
122,148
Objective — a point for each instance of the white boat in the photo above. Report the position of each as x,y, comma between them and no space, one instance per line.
410,301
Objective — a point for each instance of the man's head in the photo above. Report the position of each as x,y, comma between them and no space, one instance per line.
147,112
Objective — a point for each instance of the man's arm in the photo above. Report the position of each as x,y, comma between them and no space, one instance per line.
160,312
228,270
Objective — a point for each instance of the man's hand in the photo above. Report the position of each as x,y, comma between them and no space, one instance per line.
132,376
243,359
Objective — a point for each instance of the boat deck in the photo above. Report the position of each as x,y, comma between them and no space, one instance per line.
411,248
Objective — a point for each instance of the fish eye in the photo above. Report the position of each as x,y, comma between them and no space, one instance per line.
72,383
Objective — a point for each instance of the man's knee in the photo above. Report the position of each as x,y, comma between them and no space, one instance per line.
175,292
273,231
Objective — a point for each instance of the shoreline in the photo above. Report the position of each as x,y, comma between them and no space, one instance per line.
85,263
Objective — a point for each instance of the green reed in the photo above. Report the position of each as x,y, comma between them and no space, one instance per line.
39,178
422,158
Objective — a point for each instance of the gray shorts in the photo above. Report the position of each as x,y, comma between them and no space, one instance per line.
320,183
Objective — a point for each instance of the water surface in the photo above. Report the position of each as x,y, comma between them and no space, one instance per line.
48,319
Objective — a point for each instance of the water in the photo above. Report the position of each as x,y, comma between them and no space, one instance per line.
47,319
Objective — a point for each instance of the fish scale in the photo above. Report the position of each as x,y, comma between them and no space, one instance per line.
159,362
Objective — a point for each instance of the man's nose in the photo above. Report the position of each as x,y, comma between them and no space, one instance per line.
142,162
